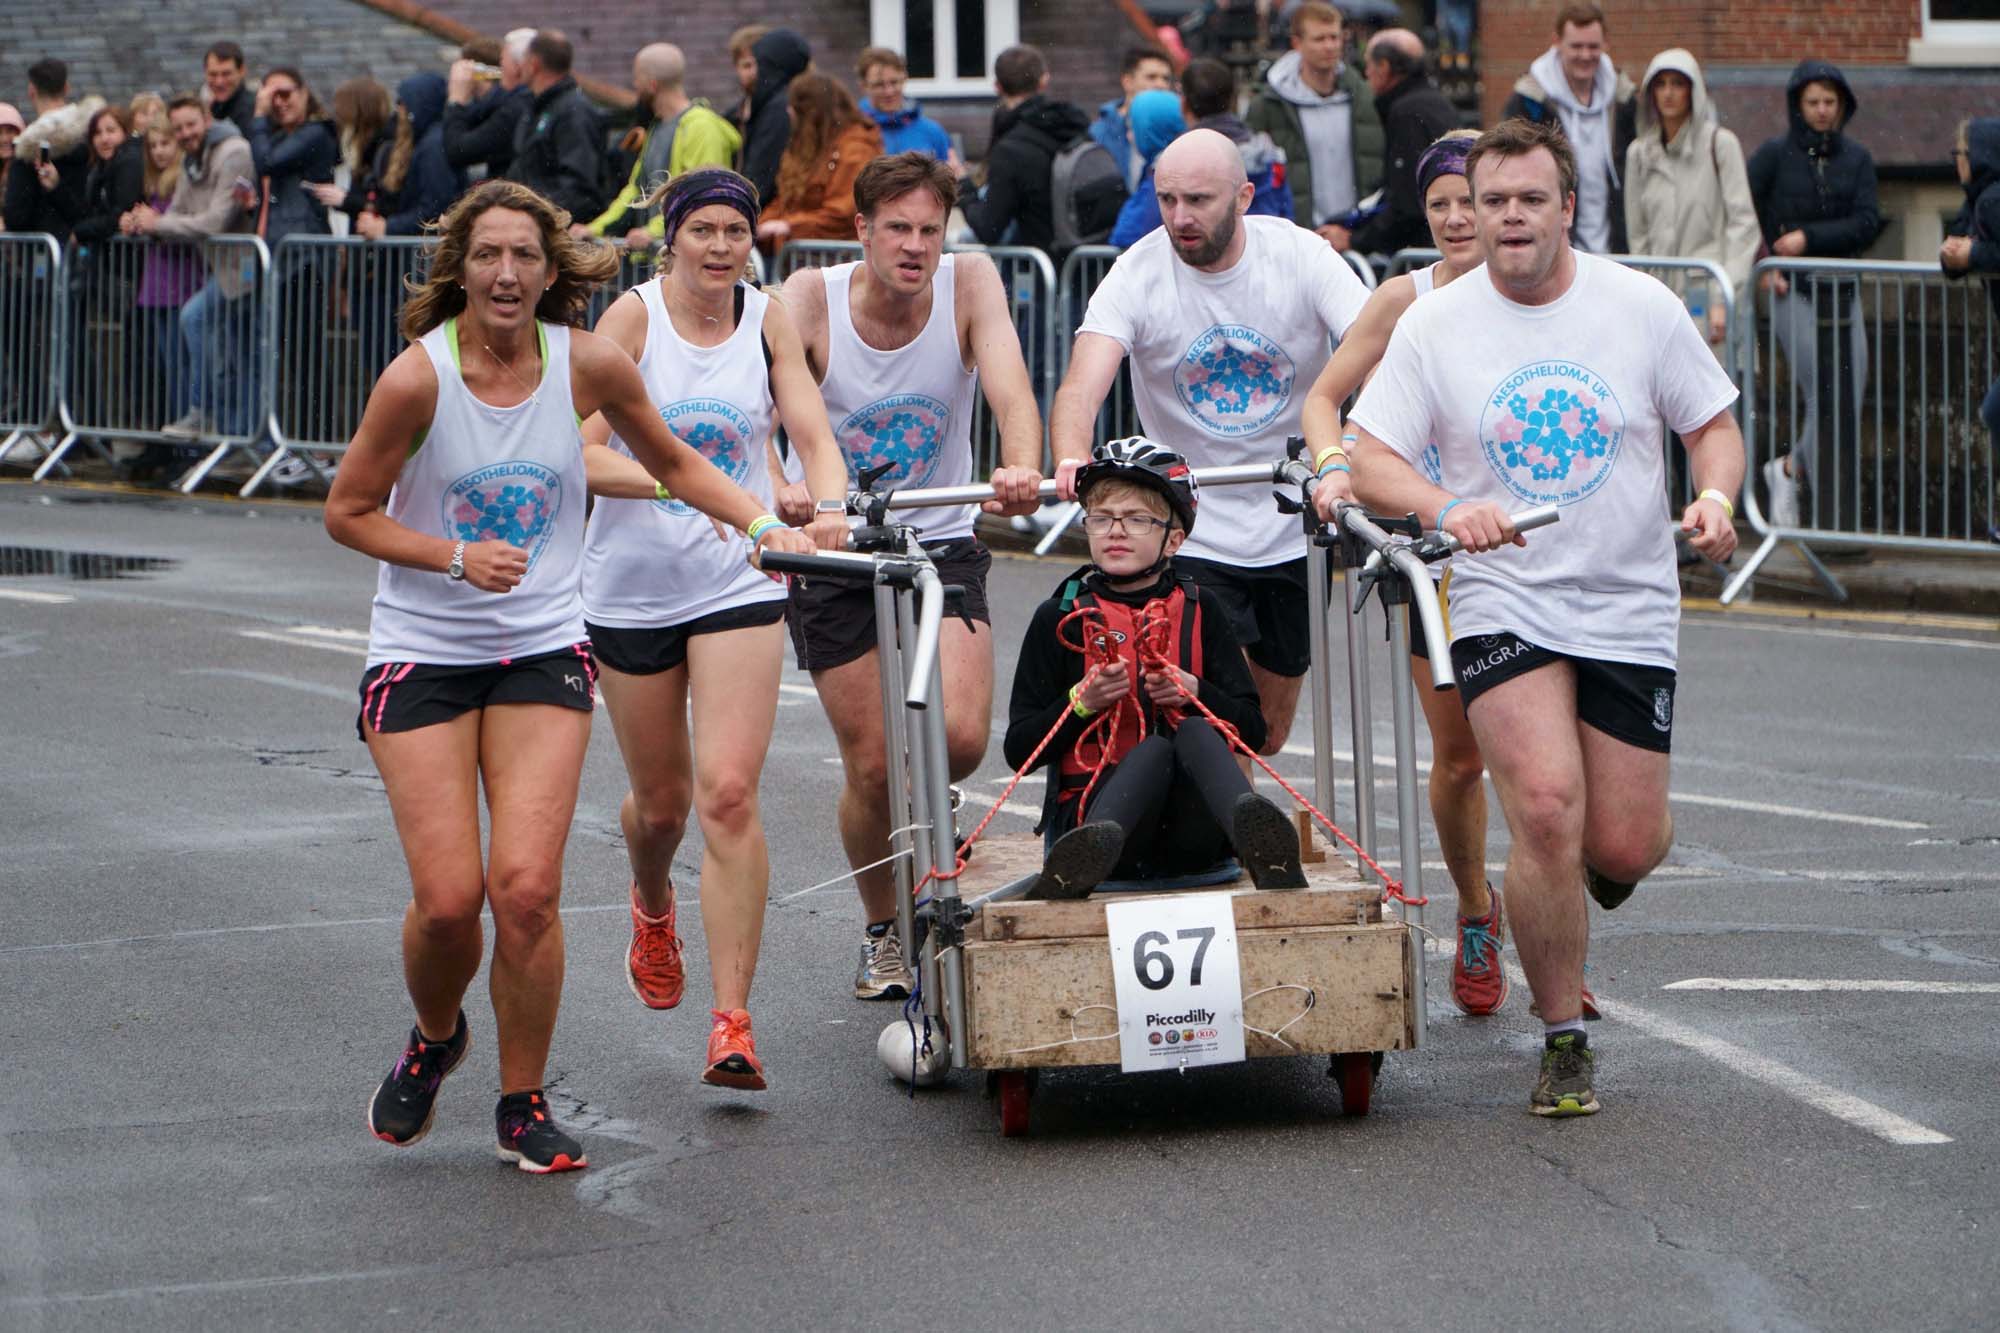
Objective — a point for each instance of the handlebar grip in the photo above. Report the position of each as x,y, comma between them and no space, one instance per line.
819,566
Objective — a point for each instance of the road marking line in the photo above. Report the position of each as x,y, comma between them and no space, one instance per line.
264,678
47,598
1685,798
332,632
1859,634
1011,807
806,690
1883,1123
292,640
1837,984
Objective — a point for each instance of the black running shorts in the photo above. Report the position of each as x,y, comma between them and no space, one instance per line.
1267,608
403,696
833,620
648,652
1625,701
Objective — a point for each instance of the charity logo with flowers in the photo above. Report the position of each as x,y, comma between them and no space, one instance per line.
902,431
1551,432
514,502
719,432
1233,380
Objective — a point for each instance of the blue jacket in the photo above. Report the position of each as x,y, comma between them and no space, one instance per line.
292,159
433,183
909,130
1113,131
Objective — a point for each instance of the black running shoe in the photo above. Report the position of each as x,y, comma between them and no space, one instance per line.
1564,1088
403,1106
530,1139
1079,861
1608,892
1266,843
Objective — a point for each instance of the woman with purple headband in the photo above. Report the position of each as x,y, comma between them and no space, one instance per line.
1458,798
677,626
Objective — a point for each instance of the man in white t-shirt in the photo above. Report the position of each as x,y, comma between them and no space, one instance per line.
1227,319
1551,375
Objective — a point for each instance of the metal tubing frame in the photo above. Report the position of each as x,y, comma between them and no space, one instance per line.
895,739
57,284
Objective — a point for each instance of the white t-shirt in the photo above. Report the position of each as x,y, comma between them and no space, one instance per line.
1221,363
1567,402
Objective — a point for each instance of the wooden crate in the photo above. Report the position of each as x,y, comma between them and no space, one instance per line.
1031,966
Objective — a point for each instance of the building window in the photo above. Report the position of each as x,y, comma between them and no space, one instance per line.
949,44
1958,32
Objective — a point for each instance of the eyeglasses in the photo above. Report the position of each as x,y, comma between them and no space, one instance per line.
1099,525
885,85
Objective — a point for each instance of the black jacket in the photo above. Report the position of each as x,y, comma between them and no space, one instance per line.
782,55
1414,113
28,207
290,160
559,151
1026,139
1045,671
1820,184
1980,218
483,131
112,188
240,108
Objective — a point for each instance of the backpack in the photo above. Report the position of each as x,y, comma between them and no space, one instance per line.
1086,190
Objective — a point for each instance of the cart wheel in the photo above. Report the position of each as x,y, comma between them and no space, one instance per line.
1015,1089
1356,1072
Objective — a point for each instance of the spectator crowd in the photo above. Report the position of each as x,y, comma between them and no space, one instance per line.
1327,139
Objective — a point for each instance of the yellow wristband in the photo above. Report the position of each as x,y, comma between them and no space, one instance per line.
1721,499
1331,451
1074,705
660,492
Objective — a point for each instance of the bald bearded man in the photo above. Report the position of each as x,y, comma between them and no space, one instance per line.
685,134
1227,319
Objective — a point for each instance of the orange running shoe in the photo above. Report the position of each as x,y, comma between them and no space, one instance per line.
1478,980
653,965
732,1053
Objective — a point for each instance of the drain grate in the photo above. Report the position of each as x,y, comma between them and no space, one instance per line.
27,561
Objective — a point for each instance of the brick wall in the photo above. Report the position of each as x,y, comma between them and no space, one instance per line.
1723,32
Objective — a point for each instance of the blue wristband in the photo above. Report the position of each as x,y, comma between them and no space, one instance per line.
1446,510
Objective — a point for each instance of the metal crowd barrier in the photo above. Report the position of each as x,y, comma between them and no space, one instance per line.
1872,375
31,328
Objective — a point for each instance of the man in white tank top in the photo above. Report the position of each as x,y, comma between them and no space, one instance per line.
900,342
1225,318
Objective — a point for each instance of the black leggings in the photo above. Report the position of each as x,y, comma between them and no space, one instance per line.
1173,796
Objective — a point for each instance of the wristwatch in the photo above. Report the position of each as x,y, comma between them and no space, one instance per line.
830,507
456,569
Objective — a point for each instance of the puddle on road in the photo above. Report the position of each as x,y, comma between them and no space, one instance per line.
28,561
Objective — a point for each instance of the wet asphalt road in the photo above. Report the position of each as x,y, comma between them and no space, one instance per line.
199,898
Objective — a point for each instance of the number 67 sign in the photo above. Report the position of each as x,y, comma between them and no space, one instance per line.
1178,981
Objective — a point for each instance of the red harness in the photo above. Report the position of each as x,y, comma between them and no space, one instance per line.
1164,632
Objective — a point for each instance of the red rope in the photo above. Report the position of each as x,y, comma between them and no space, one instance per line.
1155,654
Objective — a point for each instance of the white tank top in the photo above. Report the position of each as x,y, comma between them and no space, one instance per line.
1425,278
911,407
484,473
652,564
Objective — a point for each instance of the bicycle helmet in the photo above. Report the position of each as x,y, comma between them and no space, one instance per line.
1154,466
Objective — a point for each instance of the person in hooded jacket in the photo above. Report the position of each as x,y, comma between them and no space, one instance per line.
1320,113
1814,187
905,128
1208,102
45,196
782,55
1575,83
1029,129
412,181
1156,121
1972,242
1687,193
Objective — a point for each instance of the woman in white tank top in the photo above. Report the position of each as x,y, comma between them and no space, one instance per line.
1458,799
465,479
679,619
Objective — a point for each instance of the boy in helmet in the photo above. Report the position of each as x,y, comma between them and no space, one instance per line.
1142,785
